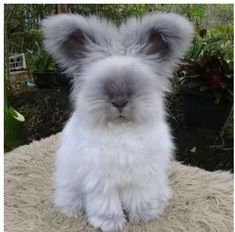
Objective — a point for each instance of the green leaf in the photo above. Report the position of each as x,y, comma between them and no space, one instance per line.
13,122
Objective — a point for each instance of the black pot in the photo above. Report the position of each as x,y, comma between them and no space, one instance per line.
201,112
63,80
44,80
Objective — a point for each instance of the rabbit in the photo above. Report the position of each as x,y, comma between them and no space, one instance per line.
115,150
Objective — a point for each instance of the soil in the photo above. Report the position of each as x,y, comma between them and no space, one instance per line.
47,110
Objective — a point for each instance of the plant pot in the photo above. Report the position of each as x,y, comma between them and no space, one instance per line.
201,112
64,81
44,80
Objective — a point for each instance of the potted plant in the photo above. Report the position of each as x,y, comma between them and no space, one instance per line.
42,67
207,88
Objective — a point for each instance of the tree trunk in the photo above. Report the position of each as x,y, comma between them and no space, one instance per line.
149,8
61,8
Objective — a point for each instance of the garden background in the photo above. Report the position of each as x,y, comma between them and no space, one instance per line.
37,105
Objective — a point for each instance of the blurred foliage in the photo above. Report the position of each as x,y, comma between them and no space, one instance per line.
115,12
213,26
221,37
208,66
23,25
211,74
39,61
24,19
218,37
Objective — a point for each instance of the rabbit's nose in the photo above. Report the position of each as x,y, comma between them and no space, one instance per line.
119,103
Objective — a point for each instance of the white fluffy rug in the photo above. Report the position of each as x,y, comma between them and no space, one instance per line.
201,201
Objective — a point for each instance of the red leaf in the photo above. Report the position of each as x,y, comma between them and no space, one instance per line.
215,78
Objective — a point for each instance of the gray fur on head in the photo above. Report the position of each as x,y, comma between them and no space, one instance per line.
74,40
130,63
164,36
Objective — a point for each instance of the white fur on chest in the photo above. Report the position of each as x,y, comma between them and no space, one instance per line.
117,155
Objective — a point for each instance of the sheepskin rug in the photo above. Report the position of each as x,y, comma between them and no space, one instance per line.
201,201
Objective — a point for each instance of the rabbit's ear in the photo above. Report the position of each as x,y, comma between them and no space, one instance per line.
70,38
158,36
76,44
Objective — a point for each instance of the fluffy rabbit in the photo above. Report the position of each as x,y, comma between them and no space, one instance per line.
116,147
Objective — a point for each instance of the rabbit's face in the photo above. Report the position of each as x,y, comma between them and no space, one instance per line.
119,74
119,90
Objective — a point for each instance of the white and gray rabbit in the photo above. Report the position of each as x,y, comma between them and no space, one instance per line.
116,147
